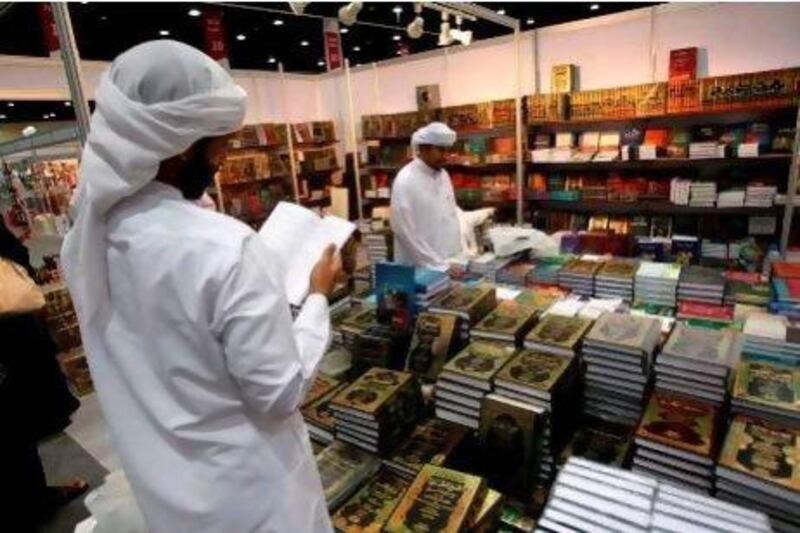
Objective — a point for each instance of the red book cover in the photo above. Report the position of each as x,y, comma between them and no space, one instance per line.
747,277
657,136
710,312
683,64
793,285
784,269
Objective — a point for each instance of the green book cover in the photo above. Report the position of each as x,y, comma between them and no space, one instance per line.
369,509
372,390
766,451
535,370
429,443
508,318
562,331
768,384
679,422
480,360
440,500
539,299
474,302
341,467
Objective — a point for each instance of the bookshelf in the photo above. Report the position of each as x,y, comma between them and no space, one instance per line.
314,151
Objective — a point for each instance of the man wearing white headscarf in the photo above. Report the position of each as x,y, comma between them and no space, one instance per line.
197,364
424,214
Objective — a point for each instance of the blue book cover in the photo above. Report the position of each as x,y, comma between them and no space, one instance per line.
395,288
425,278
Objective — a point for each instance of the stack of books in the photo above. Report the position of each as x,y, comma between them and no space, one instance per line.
657,283
704,150
429,285
377,410
316,408
369,508
701,284
703,194
487,265
618,352
558,335
731,198
509,322
615,279
578,276
705,315
714,250
540,298
760,195
433,341
379,246
676,440
698,362
746,288
549,382
679,191
342,469
600,441
439,499
470,304
759,467
514,273
467,379
431,442
768,391
589,496
770,338
546,269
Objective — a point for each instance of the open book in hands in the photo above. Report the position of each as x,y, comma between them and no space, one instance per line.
299,236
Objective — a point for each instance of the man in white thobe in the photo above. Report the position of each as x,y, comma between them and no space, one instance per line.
424,214
197,364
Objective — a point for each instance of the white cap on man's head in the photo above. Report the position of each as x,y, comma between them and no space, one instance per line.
436,134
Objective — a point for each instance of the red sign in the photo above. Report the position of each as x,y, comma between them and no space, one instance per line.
214,33
683,64
333,44
49,33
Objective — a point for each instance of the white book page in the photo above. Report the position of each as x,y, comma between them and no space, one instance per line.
287,225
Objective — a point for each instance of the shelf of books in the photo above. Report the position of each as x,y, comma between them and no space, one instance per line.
314,145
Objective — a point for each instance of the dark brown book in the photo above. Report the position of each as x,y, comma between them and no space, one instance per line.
680,422
369,508
434,338
432,442
470,303
371,392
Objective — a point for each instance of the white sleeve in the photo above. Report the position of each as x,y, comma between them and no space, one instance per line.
406,231
272,360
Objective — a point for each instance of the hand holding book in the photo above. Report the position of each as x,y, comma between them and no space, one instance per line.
326,271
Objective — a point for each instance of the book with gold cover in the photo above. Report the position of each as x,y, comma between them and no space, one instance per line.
342,468
618,269
477,364
488,514
558,334
434,336
321,386
540,298
469,303
767,454
431,442
533,373
369,508
439,499
581,267
369,393
680,422
772,386
509,321
319,416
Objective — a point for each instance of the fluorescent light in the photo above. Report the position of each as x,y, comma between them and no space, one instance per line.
594,7
344,30
320,63
501,11
241,37
356,49
277,22
194,13
530,21
303,43
164,33
396,37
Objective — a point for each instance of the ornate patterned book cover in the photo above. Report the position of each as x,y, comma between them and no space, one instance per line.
562,331
680,422
369,509
372,391
540,371
480,360
768,384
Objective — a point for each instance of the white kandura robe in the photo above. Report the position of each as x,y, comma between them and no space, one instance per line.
424,217
200,372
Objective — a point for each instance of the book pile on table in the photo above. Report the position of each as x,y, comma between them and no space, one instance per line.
676,440
594,307
615,279
470,304
578,276
657,283
588,496
377,410
379,246
759,467
713,250
433,341
540,298
703,194
731,198
515,273
547,381
546,269
558,335
601,441
570,306
768,391
431,442
760,195
664,314
618,352
369,508
701,284
429,285
352,326
439,499
705,315
342,469
487,265
316,408
698,362
509,322
467,379
746,288
770,338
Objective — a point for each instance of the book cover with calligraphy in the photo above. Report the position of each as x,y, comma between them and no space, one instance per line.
369,509
562,331
680,422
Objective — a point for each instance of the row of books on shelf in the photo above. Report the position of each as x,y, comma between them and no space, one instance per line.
274,134
251,166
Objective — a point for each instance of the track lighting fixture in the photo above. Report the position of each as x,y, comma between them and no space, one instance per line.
349,13
417,26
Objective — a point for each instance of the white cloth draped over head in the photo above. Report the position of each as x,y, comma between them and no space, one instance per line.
436,134
153,103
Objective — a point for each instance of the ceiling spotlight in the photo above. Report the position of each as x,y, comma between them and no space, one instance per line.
10,104
27,131
349,13
397,10
194,13
343,31
104,18
320,63
501,11
298,7
444,30
241,37
356,49
594,7
67,104
397,37
3,117
164,33
52,115
303,43
271,60
530,22
417,26
45,116
277,22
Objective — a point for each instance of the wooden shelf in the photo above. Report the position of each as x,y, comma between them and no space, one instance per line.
314,144
649,208
319,202
254,181
324,172
269,147
666,163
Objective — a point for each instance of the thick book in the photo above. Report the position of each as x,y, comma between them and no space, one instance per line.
319,413
618,270
631,334
342,468
539,298
600,441
509,321
680,422
320,387
477,364
434,338
439,499
533,373
768,384
297,237
431,442
703,350
716,313
471,303
561,331
368,510
371,392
